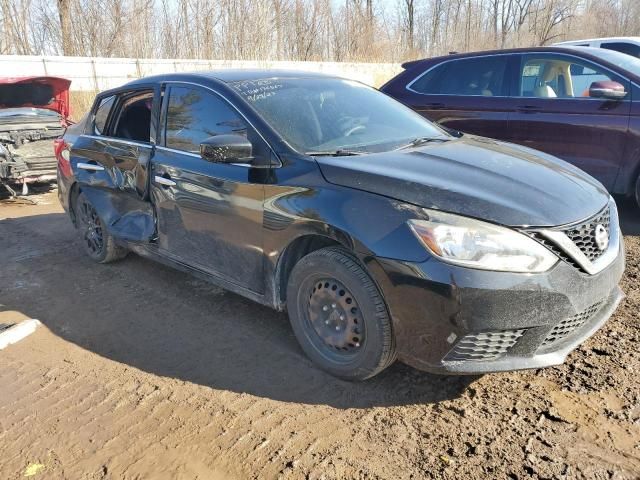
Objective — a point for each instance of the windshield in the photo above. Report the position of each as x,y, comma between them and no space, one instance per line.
316,115
27,112
622,60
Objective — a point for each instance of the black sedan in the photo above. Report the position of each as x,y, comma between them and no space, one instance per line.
382,235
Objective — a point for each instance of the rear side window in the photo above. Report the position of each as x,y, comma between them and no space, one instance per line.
134,116
193,115
483,76
628,48
102,114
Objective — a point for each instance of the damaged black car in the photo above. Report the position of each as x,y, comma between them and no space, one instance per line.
382,235
33,112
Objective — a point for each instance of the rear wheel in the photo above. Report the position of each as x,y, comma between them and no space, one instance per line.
98,243
339,316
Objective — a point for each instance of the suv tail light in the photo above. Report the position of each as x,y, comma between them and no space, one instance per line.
61,149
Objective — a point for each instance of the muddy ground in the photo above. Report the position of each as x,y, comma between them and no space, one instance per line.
140,371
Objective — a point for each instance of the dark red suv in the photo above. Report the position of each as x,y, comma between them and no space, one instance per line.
578,103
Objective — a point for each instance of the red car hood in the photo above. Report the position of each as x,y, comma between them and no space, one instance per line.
51,93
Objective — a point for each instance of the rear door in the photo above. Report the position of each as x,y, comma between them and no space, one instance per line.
555,114
111,161
466,94
209,214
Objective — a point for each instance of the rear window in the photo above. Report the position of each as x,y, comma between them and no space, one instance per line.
628,48
483,76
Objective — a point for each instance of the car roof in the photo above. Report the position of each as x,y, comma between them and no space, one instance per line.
591,52
230,75
601,39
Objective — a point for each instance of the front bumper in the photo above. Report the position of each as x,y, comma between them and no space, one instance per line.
456,320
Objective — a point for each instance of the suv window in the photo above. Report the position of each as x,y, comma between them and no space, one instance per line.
622,47
134,116
193,115
556,76
482,76
102,114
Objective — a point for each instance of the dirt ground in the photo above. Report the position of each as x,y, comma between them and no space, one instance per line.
142,372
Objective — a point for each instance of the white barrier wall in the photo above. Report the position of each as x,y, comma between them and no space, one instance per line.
91,74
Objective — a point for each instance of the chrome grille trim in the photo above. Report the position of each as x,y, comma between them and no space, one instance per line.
561,240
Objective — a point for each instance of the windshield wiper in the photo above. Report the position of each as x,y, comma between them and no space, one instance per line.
416,142
334,153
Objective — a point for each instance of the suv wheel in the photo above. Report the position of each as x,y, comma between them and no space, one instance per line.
339,316
638,191
98,243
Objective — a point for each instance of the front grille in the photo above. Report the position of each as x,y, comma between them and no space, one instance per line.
583,235
484,346
570,324
555,249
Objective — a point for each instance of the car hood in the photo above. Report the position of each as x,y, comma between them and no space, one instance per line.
51,93
476,177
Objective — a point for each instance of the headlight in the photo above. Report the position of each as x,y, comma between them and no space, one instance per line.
476,244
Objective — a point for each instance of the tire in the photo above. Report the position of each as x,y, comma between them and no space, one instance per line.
98,244
638,191
339,316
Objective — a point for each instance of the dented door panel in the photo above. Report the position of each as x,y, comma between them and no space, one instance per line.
114,175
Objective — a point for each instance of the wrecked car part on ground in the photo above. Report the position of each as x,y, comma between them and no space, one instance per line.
33,112
382,235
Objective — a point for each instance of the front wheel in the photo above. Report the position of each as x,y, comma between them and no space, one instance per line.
339,316
99,245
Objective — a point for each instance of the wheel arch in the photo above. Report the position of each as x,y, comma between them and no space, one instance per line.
301,245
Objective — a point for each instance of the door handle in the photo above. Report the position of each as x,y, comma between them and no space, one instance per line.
164,181
91,167
528,109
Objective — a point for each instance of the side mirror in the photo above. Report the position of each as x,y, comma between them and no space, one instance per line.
226,149
607,89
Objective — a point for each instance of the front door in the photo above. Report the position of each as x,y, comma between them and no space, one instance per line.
555,114
209,214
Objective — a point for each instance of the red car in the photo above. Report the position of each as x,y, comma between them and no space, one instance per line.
578,103
33,112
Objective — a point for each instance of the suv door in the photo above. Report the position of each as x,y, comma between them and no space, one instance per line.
556,115
209,214
110,161
466,94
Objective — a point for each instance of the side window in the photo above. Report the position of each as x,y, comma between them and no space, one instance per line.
193,115
102,114
134,116
482,76
556,76
628,48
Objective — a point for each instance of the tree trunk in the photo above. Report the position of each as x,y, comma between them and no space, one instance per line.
64,12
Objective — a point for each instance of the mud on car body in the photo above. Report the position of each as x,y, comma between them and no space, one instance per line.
33,112
382,235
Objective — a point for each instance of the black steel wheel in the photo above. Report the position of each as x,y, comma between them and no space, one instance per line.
334,315
97,242
339,316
